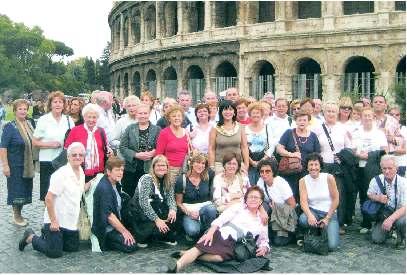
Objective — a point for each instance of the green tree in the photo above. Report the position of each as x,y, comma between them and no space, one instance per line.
102,69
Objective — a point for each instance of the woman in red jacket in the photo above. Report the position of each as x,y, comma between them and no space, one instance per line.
94,140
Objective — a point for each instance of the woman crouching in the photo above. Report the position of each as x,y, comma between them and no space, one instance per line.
218,244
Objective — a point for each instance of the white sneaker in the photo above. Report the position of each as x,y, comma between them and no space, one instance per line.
142,245
364,230
173,243
300,242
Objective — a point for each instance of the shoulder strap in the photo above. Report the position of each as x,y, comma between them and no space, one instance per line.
184,183
329,137
295,140
290,120
102,134
267,191
395,193
69,124
267,136
239,231
380,184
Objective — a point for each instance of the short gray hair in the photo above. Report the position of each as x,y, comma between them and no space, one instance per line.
74,145
387,157
330,103
184,92
90,107
131,98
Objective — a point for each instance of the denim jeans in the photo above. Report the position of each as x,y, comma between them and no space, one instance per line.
254,175
332,228
193,228
379,236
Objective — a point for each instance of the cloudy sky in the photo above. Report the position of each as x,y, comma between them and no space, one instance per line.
81,25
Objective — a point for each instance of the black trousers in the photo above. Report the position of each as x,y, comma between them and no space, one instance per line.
52,243
363,185
115,241
130,181
46,171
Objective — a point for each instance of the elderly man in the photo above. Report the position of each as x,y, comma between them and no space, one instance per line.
185,100
210,97
130,104
232,94
106,119
318,109
394,197
280,121
60,230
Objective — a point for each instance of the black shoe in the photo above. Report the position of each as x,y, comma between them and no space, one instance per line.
23,242
176,255
172,267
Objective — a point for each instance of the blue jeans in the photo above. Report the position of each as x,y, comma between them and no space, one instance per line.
193,228
332,229
254,175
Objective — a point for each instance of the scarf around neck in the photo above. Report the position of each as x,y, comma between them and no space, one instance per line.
92,154
26,132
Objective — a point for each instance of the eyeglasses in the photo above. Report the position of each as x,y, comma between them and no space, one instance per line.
394,114
253,197
77,155
347,108
268,171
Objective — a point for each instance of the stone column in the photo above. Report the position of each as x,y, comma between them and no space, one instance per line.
130,42
280,7
328,17
208,15
121,44
180,18
284,89
382,8
142,26
158,17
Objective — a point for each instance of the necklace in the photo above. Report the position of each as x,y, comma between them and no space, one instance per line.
302,139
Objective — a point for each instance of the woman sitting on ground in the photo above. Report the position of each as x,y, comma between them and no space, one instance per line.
155,210
279,203
193,196
229,186
217,245
60,229
319,199
107,204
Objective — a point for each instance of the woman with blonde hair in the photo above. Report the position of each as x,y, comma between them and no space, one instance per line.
345,109
49,136
193,195
154,204
16,154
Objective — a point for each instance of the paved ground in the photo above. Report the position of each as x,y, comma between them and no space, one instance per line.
356,255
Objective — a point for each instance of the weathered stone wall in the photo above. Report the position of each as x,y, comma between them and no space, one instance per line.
161,35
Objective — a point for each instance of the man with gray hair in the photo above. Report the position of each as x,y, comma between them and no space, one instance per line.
232,94
106,119
393,199
185,100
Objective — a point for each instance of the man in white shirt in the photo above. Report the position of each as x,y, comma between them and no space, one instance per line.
106,119
280,121
395,187
318,109
185,100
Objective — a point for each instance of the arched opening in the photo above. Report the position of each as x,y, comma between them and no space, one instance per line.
170,82
401,72
226,13
355,7
263,80
307,82
225,77
195,12
118,85
126,84
150,23
151,82
137,83
400,5
170,18
117,34
136,25
308,9
126,32
195,82
266,11
359,77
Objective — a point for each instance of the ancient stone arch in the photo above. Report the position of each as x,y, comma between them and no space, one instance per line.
126,84
149,22
126,31
136,25
225,13
195,16
137,83
218,61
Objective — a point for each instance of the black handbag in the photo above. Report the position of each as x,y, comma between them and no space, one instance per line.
245,246
316,241
62,159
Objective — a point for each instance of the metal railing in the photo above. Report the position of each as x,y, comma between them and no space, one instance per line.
261,85
400,78
220,84
170,88
197,88
360,84
307,85
152,87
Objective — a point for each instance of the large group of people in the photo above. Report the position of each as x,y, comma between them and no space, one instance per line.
156,173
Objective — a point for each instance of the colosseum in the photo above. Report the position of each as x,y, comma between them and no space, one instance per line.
318,49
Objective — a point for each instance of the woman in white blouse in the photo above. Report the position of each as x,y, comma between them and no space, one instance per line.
217,245
200,134
229,186
49,136
333,137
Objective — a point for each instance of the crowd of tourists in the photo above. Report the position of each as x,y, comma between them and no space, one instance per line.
138,172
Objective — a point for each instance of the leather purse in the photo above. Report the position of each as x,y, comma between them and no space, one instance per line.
245,246
316,241
289,165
